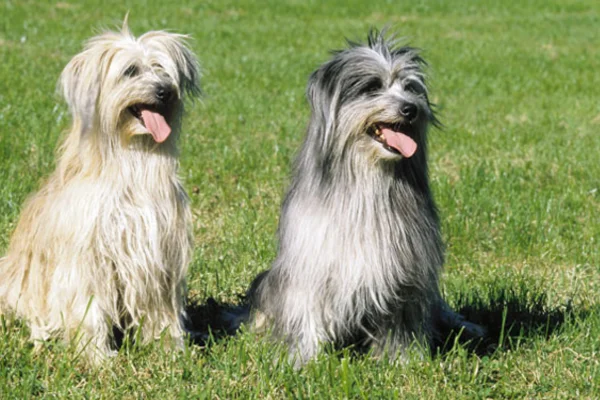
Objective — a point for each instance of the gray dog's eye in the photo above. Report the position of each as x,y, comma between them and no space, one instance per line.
157,66
372,86
131,71
413,87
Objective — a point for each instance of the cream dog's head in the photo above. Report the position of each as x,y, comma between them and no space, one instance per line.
124,89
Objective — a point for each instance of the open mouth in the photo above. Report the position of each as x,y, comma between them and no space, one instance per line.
393,138
153,120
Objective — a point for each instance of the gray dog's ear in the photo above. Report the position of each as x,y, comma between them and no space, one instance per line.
80,85
321,95
318,100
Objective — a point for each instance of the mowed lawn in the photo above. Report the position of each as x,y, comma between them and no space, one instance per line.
515,172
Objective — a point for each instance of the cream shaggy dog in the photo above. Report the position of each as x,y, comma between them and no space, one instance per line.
106,242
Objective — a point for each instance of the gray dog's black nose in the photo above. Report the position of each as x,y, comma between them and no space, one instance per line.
409,111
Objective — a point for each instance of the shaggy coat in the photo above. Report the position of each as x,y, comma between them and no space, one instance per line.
360,251
106,242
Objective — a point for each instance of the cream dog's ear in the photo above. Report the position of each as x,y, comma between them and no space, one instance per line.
188,64
80,86
182,64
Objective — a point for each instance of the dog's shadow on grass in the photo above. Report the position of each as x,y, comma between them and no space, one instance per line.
510,316
212,321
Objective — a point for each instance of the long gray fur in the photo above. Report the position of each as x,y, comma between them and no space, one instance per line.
360,251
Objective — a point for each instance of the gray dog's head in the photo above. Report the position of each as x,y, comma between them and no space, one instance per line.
370,100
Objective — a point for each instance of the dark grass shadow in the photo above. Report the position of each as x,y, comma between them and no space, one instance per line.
206,322
212,320
510,315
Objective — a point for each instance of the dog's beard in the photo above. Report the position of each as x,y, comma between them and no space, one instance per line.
150,123
374,130
393,138
134,110
151,119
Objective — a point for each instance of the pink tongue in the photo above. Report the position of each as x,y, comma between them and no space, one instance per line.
399,141
157,125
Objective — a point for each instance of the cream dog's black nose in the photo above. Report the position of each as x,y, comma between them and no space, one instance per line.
163,93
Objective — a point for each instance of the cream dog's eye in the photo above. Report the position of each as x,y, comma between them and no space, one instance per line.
131,71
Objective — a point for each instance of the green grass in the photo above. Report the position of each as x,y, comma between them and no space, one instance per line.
515,172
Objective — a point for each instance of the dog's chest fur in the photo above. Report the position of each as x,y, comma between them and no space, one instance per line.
148,212
371,242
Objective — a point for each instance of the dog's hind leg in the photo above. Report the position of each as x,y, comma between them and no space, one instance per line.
305,332
303,345
176,333
409,328
395,342
91,330
39,334
291,314
167,326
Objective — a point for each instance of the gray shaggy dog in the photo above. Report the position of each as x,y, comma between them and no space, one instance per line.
360,251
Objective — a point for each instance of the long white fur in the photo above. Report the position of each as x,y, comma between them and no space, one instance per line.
106,242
